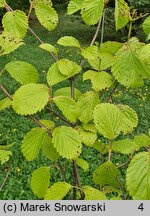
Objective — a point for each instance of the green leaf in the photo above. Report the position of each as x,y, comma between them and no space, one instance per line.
138,177
48,148
100,80
90,128
88,138
87,102
74,6
145,53
125,146
146,25
5,103
102,61
66,91
127,68
90,52
4,156
54,76
93,194
110,47
46,15
30,98
108,120
68,68
68,106
47,123
109,190
83,164
40,181
33,142
122,13
145,57
2,3
67,142
16,23
45,2
142,140
57,191
22,72
69,41
49,47
130,118
8,43
92,11
106,174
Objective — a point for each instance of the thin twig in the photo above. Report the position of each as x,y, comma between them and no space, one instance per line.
6,177
124,164
110,150
93,39
78,180
59,167
5,92
103,25
97,31
122,189
111,93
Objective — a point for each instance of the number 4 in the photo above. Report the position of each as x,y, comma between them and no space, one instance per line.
141,207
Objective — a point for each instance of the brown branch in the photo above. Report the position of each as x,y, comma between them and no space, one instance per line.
112,92
78,180
29,116
5,92
8,8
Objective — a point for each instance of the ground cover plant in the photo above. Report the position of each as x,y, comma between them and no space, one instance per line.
78,125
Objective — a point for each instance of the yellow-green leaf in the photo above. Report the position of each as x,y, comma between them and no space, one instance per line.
68,106
91,11
40,181
82,163
138,176
57,191
108,120
9,43
106,174
49,47
46,15
22,72
16,23
122,13
87,102
4,156
93,194
32,143
74,6
30,98
69,41
5,103
67,142
100,80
